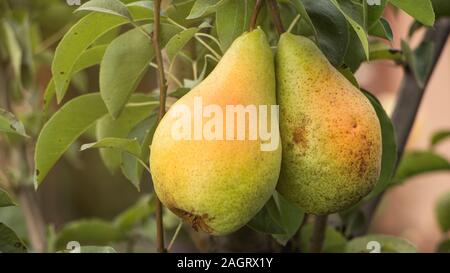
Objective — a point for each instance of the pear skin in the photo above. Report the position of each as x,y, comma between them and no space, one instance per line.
217,186
330,132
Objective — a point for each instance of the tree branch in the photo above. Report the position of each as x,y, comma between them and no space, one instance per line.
162,110
272,5
408,103
318,236
255,14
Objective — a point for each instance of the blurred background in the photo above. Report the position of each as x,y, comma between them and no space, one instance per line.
81,187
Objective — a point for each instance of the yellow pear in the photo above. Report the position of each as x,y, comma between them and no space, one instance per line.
217,181
330,132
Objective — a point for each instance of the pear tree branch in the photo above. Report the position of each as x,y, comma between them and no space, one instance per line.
255,14
162,110
408,103
318,236
274,11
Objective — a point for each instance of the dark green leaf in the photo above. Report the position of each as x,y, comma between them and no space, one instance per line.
66,125
287,215
375,11
421,10
204,7
5,200
389,150
439,137
125,61
387,244
140,107
136,214
10,124
114,7
420,162
130,146
382,29
9,242
443,212
177,42
230,22
444,246
331,27
88,232
264,223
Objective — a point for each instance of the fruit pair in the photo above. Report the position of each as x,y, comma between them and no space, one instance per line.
330,136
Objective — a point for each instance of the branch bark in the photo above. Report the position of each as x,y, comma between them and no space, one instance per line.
162,110
318,236
274,11
255,14
408,103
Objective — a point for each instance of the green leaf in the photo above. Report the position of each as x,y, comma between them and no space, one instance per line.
334,241
439,137
420,162
331,27
230,22
5,200
136,214
9,242
88,232
389,149
79,38
125,61
90,57
287,215
131,168
388,244
130,146
204,7
177,42
375,12
300,7
442,210
381,51
264,223
357,27
13,48
382,29
66,125
420,60
355,55
10,124
180,92
348,74
441,7
421,10
444,246
121,127
114,7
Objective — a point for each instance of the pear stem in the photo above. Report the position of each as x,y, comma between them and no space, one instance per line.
255,14
274,11
318,236
162,110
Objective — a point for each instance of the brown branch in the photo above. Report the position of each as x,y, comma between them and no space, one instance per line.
255,14
408,103
318,236
274,11
162,110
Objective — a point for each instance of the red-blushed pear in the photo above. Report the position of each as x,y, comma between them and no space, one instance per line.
218,185
330,132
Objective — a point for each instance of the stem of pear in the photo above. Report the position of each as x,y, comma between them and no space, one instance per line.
274,11
162,110
255,14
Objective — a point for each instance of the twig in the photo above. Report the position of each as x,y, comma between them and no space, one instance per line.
318,236
408,103
175,235
272,5
255,14
162,110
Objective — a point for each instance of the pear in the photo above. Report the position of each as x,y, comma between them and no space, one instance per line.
218,184
330,132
